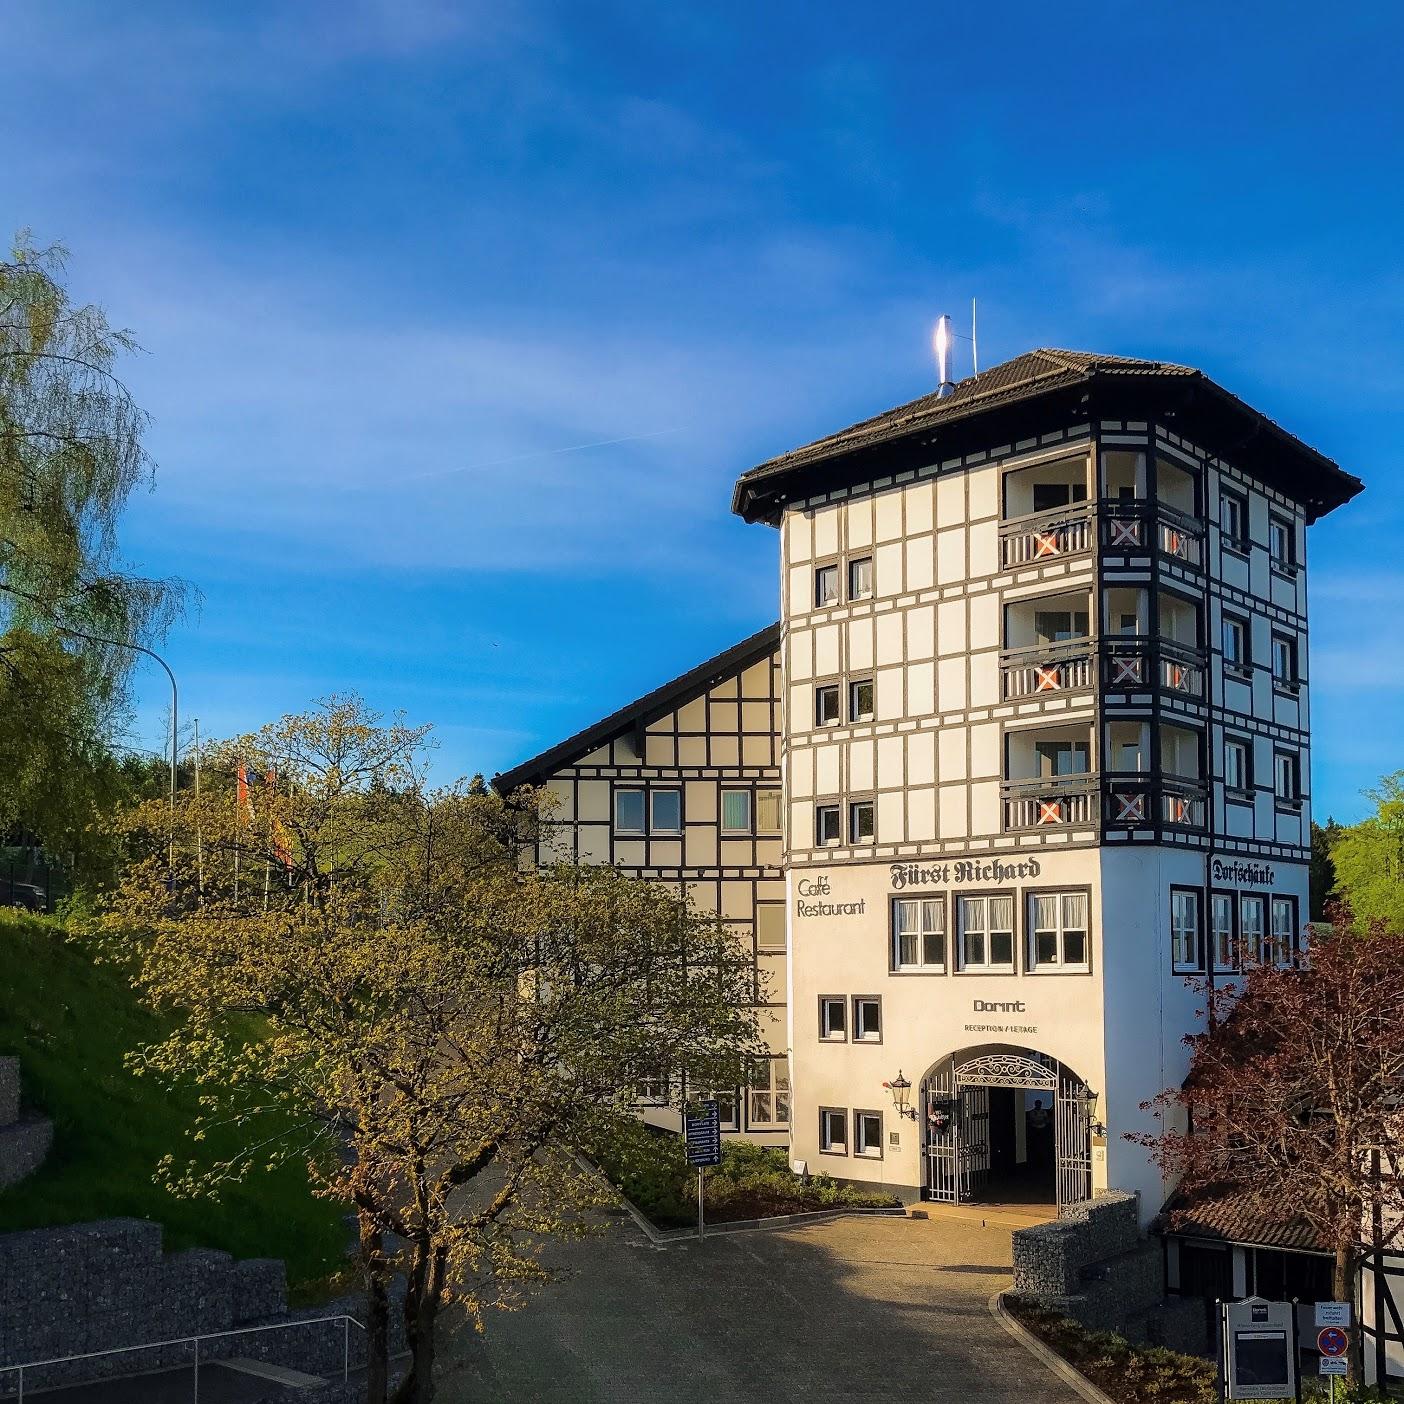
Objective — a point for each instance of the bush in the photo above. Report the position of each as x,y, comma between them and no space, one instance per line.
753,1182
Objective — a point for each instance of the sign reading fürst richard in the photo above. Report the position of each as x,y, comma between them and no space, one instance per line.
962,870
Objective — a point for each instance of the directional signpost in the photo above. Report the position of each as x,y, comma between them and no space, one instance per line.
703,1130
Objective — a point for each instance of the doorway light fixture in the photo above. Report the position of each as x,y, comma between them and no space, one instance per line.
901,1095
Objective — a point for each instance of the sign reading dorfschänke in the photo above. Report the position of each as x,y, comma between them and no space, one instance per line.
962,870
1241,872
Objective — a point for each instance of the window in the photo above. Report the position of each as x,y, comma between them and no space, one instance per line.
651,1088
833,1018
1287,777
1047,496
629,811
1284,662
768,1100
767,811
1250,928
867,1134
860,700
1282,543
1058,931
770,926
1185,949
826,591
919,933
1237,763
826,705
1060,625
860,821
1233,519
867,1019
986,929
1284,929
1127,623
736,812
1062,757
1236,655
665,811
728,1107
826,826
1221,906
833,1130
860,579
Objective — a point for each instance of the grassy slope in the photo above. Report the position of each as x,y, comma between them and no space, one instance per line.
71,1022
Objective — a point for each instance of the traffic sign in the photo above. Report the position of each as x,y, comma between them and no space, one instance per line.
704,1135
1332,1341
1332,1314
1332,1365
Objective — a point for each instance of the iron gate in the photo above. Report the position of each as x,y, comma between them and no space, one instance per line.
957,1106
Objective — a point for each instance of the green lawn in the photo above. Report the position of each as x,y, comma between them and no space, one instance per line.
71,1021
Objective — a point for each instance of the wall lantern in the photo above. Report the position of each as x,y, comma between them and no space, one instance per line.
1088,1100
900,1088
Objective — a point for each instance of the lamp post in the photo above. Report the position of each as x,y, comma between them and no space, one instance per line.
901,1101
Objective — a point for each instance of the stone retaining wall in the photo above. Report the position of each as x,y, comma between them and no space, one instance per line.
24,1139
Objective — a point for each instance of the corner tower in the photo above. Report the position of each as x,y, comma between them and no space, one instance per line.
1045,752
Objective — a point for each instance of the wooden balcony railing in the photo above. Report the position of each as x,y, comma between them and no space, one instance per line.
1133,800
1047,536
1058,802
1129,527
1130,663
1047,668
1138,798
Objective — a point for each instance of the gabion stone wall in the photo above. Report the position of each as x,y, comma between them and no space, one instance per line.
24,1140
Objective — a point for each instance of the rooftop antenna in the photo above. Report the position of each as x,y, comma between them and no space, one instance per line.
974,342
941,340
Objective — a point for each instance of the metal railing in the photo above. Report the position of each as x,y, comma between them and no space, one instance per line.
347,1322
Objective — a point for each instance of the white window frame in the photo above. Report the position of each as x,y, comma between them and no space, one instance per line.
773,822
764,1105
821,812
1187,935
651,1089
1285,647
642,793
822,598
1060,932
923,931
1223,939
835,692
860,1004
1236,536
983,903
1242,746
749,796
769,942
854,806
855,567
1253,933
829,1118
654,827
862,1147
1284,933
855,715
1244,661
828,1005
1285,561
1292,793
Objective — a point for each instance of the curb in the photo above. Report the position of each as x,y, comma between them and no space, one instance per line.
662,1238
1069,1374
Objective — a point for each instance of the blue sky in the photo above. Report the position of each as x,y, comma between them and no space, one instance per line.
394,261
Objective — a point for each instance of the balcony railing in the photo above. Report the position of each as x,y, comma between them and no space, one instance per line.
1061,801
1047,536
1130,527
1047,668
1131,663
1133,800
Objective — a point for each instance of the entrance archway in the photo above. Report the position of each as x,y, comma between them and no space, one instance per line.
995,1108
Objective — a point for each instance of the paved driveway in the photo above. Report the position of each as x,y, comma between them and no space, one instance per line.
852,1309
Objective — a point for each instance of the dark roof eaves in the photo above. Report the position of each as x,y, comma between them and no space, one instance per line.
670,695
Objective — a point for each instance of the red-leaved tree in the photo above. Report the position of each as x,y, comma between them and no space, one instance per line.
1294,1102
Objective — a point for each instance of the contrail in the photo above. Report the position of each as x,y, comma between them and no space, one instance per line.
540,453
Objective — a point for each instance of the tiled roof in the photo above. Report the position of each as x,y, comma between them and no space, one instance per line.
1236,1218
1026,377
644,710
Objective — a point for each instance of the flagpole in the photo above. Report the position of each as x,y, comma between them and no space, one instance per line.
199,823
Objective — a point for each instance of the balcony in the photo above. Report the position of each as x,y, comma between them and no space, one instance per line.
1136,664
1041,669
1129,528
1135,800
1042,537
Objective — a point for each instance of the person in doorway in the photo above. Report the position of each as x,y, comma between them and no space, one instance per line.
1040,1133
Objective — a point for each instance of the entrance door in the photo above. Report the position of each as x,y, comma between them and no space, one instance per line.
974,1141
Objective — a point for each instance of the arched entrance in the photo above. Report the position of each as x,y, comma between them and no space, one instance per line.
975,1101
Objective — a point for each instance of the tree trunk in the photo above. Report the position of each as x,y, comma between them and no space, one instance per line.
1343,1286
377,1309
423,1294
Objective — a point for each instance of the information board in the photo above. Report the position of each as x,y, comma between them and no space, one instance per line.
702,1126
